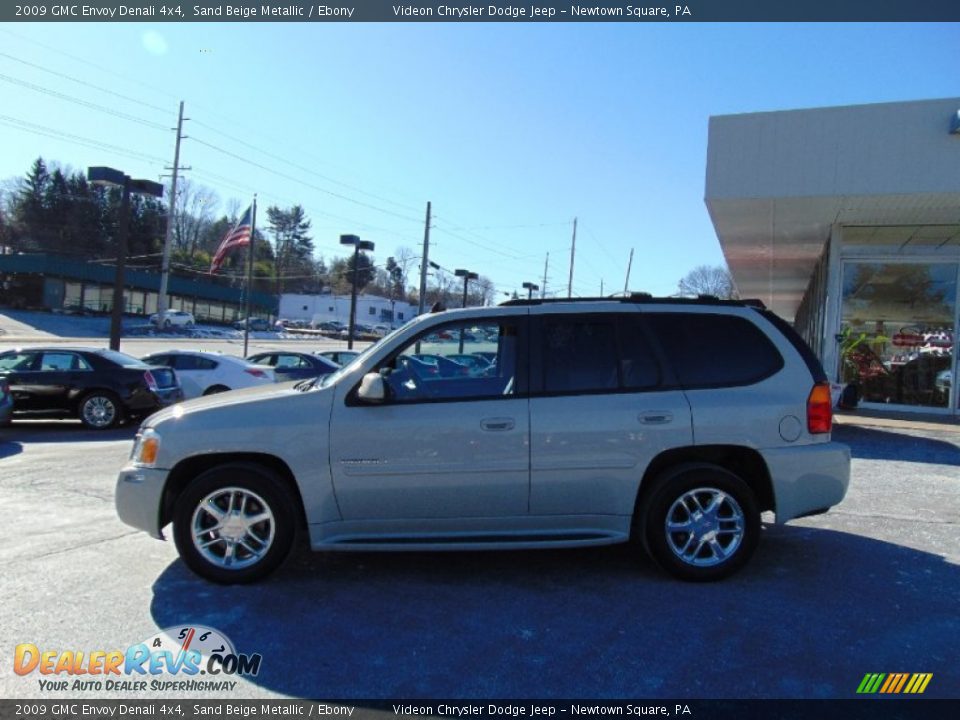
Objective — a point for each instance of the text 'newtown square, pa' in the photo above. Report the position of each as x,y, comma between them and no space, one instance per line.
537,12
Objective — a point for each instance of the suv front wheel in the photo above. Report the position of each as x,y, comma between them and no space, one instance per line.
235,523
701,523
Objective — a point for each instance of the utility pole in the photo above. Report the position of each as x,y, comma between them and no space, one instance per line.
626,283
424,262
601,287
573,251
165,264
543,289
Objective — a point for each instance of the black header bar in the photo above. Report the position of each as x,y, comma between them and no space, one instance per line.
495,11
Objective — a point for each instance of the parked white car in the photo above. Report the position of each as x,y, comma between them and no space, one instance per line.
202,372
173,318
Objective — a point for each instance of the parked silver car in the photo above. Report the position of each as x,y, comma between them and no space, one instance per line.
670,422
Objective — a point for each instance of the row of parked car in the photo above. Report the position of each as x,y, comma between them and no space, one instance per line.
182,318
103,387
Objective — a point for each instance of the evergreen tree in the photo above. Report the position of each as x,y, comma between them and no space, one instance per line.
293,247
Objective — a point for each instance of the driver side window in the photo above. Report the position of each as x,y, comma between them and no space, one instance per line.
467,360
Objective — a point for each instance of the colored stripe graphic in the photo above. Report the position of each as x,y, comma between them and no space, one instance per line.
894,683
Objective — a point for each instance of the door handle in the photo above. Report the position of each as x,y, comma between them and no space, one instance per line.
656,417
496,424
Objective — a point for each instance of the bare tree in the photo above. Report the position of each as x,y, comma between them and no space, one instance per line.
708,280
404,257
194,212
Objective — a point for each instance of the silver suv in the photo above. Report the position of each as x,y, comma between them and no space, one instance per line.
671,423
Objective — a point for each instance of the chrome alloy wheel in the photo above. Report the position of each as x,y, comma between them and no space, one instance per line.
99,411
232,528
704,527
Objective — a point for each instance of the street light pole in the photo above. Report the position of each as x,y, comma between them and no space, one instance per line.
358,245
116,314
467,277
109,176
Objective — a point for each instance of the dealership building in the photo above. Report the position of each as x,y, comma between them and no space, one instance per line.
846,220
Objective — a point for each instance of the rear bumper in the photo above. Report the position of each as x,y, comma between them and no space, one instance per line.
808,479
138,496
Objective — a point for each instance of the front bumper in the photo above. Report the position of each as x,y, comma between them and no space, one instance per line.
808,479
138,498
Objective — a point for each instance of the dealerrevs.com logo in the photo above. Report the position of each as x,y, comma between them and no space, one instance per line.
188,658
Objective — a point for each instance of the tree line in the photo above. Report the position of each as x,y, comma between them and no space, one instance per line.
54,209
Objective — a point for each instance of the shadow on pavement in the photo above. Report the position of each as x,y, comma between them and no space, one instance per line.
813,612
65,431
872,444
7,447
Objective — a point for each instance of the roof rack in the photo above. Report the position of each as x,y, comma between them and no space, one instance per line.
642,297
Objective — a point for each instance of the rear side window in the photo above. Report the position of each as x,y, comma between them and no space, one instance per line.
579,355
715,350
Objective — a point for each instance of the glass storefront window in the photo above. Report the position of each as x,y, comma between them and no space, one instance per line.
898,322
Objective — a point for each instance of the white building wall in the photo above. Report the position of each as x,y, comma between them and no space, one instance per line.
371,309
881,149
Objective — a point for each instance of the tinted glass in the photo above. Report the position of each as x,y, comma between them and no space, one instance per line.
18,361
707,349
57,361
579,355
638,364
120,358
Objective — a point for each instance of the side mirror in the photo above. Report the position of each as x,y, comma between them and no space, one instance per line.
372,389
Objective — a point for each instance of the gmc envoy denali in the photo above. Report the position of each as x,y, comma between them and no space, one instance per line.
671,423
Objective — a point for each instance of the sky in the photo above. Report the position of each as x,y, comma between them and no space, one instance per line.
510,130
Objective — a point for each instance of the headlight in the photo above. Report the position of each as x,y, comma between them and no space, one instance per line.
145,448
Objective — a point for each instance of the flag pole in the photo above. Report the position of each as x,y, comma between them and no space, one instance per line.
246,310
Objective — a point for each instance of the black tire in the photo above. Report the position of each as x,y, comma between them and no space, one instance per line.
214,389
722,536
100,410
265,492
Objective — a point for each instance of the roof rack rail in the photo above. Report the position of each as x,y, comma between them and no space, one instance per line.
641,297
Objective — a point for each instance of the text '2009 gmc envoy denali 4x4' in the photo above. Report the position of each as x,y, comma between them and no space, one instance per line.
670,422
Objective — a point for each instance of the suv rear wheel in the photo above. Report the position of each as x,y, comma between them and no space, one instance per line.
701,523
234,523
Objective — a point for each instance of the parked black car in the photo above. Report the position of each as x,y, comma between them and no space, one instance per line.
100,387
294,365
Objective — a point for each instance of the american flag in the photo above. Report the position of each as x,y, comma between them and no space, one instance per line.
238,237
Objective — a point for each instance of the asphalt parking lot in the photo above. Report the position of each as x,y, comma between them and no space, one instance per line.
871,587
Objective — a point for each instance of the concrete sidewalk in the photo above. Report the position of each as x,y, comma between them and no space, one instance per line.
898,420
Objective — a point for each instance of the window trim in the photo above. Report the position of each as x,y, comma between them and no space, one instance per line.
522,364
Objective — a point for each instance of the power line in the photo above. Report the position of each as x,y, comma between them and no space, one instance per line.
300,167
60,135
84,82
287,201
76,58
84,103
301,182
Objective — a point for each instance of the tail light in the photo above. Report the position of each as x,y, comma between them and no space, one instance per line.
255,372
819,409
151,381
